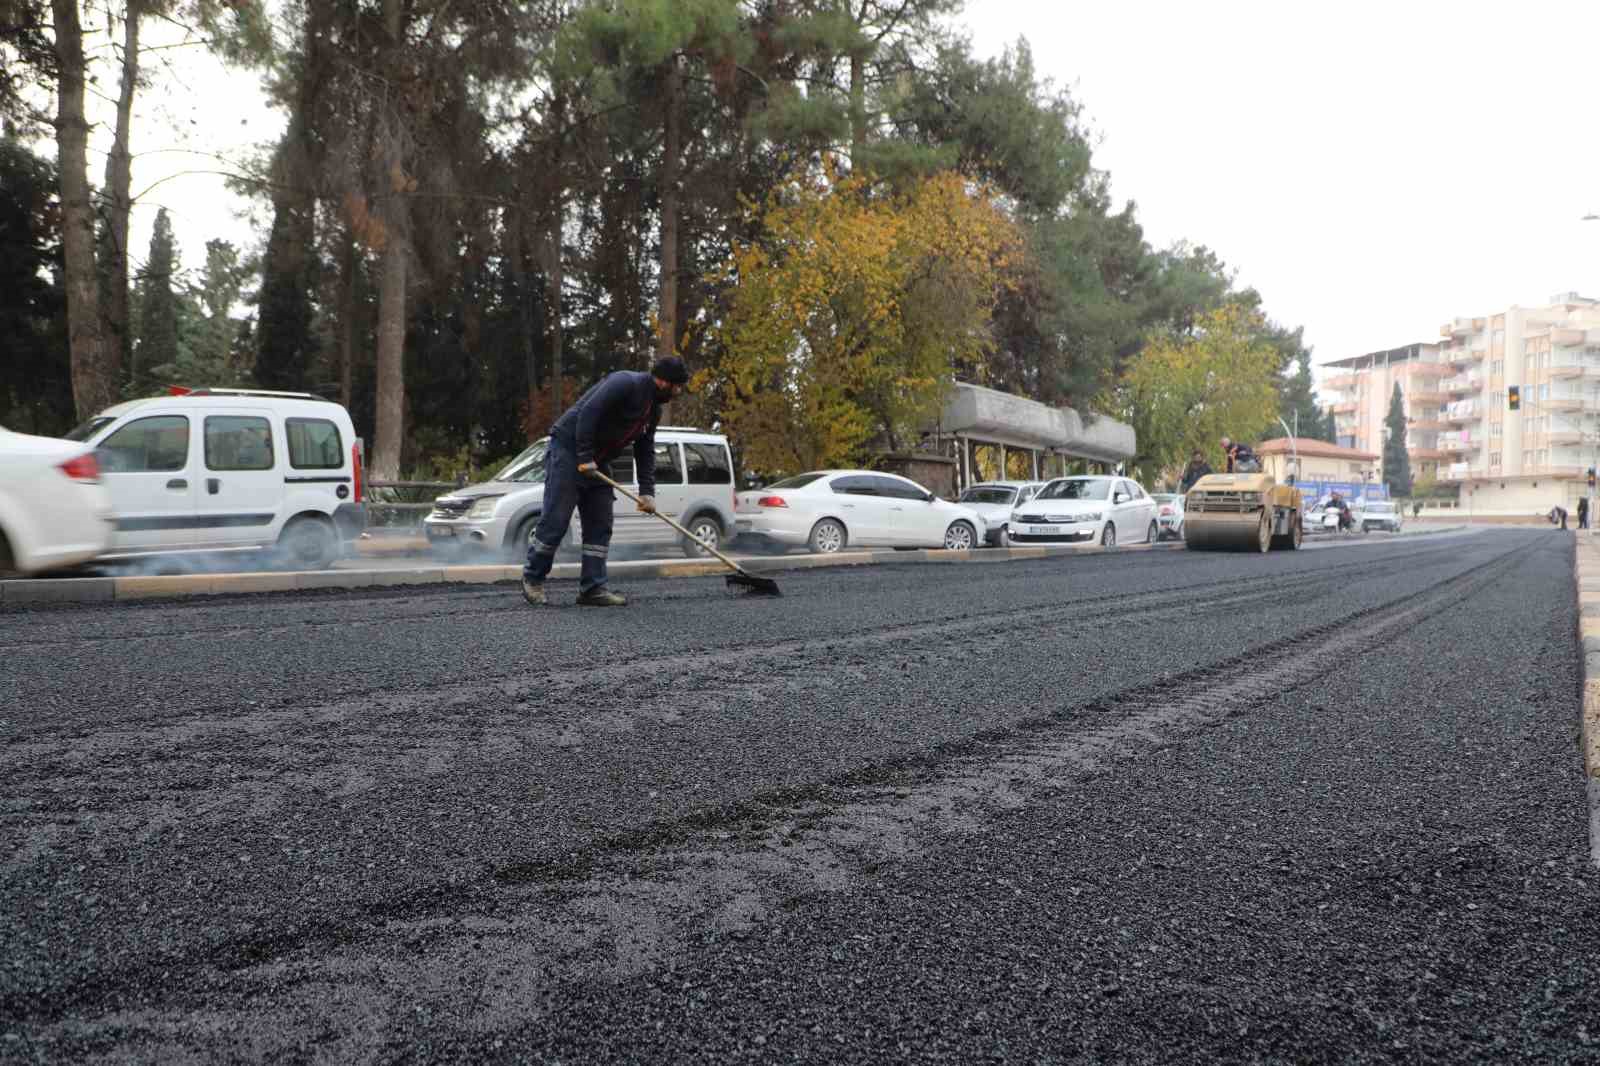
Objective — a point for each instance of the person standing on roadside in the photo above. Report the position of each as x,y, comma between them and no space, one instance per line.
623,409
1583,512
1197,469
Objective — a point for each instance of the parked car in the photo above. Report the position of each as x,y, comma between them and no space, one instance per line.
1169,515
828,510
54,511
694,486
994,502
1380,514
216,469
1086,508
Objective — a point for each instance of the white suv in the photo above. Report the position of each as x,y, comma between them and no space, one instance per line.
694,486
217,469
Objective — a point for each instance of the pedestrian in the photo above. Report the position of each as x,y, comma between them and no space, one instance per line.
1558,514
1197,469
623,408
1583,512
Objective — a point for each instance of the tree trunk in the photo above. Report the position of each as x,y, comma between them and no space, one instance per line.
858,108
93,388
555,279
115,329
391,399
391,405
667,315
347,317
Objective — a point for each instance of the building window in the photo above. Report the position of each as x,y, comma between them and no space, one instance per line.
1494,459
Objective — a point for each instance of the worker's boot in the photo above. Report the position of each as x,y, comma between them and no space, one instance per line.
533,592
600,596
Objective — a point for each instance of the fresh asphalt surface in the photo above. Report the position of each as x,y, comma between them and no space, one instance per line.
1146,806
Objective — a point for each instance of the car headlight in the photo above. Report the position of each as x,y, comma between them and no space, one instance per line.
1091,516
483,507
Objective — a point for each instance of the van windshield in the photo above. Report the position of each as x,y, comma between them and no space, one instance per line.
527,468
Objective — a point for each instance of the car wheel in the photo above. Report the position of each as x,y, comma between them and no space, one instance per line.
1152,534
8,565
827,537
1004,540
706,530
519,544
960,537
308,544
1108,535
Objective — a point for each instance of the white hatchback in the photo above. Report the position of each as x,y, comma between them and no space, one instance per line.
54,512
828,510
1111,510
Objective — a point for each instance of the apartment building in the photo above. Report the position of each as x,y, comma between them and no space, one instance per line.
1458,422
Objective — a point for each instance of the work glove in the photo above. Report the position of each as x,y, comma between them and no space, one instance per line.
587,468
647,504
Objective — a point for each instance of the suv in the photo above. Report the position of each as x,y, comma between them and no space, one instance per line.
1380,514
694,486
216,469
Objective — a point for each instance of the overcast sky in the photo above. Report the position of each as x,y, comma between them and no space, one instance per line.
1373,169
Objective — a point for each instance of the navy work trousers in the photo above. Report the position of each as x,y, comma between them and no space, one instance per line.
566,490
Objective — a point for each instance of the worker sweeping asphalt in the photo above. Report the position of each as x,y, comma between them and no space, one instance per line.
623,409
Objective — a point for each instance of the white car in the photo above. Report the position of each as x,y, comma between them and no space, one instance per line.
828,510
1169,515
1087,508
54,512
994,501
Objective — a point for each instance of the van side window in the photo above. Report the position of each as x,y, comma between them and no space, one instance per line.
238,442
622,469
707,464
668,470
159,443
314,444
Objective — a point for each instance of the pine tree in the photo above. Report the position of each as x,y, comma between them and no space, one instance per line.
1396,463
157,342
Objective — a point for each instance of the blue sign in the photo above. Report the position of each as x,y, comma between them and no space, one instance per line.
1351,490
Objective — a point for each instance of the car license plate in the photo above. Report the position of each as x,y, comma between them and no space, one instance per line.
441,531
1043,531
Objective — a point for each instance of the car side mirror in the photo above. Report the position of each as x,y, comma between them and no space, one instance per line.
1121,497
929,498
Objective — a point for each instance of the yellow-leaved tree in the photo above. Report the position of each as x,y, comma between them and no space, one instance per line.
850,316
1185,392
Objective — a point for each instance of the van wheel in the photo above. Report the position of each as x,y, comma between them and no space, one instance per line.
308,544
707,530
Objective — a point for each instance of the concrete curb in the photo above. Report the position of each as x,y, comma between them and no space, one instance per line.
103,589
1586,565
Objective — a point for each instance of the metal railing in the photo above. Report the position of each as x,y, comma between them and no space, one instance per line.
399,503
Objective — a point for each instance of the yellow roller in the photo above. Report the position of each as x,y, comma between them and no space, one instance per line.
1241,512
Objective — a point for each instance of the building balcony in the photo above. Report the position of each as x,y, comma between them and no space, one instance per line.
1345,408
1561,403
1341,381
1423,369
1429,453
1553,470
1429,424
1461,327
1429,394
1570,338
1463,385
1466,356
1563,436
1459,447
1461,472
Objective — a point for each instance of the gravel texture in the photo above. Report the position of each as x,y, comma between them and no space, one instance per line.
1154,806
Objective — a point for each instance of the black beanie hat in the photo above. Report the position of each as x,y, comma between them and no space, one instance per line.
671,368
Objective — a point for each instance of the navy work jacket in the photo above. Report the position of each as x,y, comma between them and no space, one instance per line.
620,410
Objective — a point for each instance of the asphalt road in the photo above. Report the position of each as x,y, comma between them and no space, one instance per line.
1146,806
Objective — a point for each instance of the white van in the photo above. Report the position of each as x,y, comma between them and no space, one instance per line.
217,469
694,486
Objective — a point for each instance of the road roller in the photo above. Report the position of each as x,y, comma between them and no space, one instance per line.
1241,512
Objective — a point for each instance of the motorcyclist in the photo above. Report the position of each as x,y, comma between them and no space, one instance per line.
1342,506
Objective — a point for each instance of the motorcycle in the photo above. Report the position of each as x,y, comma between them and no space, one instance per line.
1337,521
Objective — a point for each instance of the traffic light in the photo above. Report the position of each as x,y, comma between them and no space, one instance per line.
1514,397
